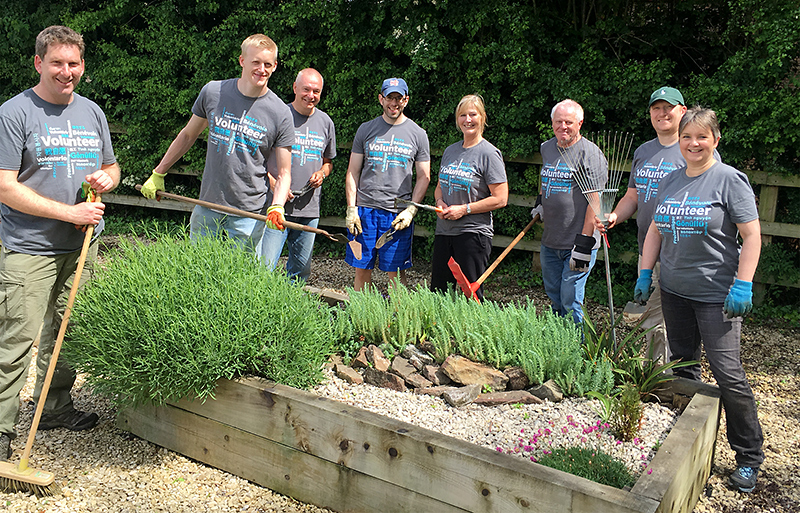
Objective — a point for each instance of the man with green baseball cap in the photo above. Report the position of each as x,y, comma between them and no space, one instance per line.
652,161
669,95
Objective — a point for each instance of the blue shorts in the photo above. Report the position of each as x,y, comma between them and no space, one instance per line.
394,256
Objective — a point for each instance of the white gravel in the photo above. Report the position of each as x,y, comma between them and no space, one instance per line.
527,430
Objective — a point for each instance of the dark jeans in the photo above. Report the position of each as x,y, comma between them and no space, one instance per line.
470,250
688,324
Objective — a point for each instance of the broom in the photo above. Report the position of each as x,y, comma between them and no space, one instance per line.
21,477
600,191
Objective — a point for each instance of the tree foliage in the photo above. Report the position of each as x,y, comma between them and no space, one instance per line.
146,63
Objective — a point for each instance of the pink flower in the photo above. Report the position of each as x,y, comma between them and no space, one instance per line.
649,471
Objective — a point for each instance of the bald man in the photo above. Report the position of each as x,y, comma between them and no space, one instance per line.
313,151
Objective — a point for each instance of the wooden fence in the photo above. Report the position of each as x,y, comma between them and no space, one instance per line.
767,209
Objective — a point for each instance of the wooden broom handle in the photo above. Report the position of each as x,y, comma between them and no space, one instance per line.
505,252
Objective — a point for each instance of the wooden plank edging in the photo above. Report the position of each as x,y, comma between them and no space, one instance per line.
327,448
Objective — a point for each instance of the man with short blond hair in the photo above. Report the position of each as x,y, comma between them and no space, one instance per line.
312,161
246,122
51,141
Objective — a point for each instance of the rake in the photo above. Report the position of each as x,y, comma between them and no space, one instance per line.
610,151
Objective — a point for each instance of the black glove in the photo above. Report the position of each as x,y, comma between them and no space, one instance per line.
581,253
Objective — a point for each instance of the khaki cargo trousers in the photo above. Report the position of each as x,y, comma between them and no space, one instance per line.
33,294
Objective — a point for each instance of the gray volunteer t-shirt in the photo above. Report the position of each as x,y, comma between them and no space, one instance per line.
390,152
464,177
697,218
54,147
563,201
314,139
652,161
241,134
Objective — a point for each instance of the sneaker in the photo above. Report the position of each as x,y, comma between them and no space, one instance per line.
5,447
744,479
74,420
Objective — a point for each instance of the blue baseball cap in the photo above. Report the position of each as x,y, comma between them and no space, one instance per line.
394,85
668,94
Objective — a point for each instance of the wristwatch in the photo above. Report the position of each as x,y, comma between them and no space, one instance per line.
469,210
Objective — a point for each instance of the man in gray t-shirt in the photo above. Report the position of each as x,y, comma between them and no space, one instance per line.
51,141
652,162
312,161
246,121
380,169
568,248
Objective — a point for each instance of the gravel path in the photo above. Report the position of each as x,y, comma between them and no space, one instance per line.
108,470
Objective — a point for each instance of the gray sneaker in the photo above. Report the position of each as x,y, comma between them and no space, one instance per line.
5,447
744,479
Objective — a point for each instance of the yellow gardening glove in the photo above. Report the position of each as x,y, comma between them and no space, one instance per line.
275,217
153,184
352,221
404,218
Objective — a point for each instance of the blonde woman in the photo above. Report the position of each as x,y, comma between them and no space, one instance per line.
472,183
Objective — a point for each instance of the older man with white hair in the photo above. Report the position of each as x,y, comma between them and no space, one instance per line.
569,241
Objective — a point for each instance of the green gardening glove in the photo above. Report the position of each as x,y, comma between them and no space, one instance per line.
153,184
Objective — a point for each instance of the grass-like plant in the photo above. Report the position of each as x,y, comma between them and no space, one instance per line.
590,463
166,320
631,362
546,346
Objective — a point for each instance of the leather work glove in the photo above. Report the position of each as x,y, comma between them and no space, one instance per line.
352,221
537,209
275,217
581,253
404,218
153,184
740,299
644,287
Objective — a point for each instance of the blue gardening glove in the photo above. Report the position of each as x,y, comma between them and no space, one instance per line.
740,299
581,253
644,287
153,184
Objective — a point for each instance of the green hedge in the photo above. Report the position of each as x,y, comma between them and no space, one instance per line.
147,62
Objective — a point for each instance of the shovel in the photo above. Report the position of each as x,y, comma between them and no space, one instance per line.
470,288
336,237
400,203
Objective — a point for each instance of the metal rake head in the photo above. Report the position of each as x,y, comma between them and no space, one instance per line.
597,167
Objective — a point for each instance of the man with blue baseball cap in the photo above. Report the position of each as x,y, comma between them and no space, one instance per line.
384,152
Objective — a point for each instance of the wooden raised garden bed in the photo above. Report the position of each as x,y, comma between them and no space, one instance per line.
347,459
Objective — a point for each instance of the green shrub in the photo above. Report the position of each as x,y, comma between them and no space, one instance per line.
592,464
165,320
626,412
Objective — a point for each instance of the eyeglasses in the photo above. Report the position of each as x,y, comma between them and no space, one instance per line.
395,97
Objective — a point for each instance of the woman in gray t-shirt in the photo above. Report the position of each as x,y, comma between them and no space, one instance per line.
472,183
706,276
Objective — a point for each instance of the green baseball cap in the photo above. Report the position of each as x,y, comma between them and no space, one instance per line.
668,94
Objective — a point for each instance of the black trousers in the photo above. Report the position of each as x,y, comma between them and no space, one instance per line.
470,250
